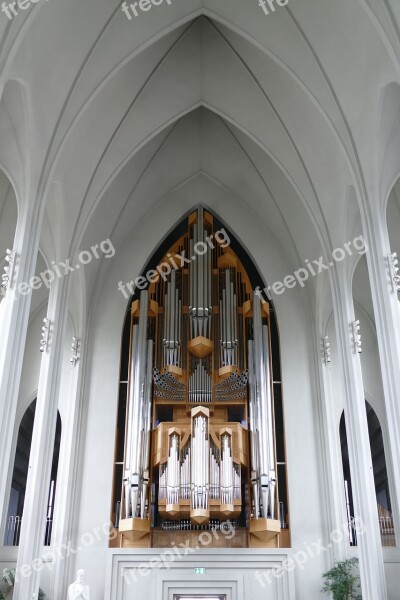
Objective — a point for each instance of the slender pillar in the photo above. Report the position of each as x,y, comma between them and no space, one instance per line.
34,515
14,327
369,543
66,482
387,321
330,446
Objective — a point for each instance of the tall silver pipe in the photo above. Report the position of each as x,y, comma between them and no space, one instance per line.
235,327
200,463
195,265
128,449
172,325
209,298
223,327
270,416
191,289
166,326
171,339
228,314
173,470
139,366
147,428
262,401
200,308
254,446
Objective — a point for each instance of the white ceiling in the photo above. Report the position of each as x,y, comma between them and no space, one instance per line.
102,119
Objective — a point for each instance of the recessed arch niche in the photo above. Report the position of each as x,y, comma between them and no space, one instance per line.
206,362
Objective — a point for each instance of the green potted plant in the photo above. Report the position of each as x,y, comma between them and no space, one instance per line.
9,580
341,581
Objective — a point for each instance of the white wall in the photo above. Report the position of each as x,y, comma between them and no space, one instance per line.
101,391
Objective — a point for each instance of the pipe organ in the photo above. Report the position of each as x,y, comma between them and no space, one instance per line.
199,429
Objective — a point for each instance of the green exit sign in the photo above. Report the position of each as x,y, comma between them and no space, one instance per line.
199,571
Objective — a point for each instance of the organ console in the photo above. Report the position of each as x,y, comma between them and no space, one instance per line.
199,433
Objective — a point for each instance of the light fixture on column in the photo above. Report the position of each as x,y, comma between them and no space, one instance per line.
394,271
75,351
356,336
44,338
6,277
326,350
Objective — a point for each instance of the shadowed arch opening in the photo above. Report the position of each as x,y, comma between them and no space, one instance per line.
380,478
393,219
20,476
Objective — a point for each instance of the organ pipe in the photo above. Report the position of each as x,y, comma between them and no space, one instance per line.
226,470
254,426
134,466
199,407
173,471
147,406
200,385
266,474
200,308
200,462
172,323
229,332
127,471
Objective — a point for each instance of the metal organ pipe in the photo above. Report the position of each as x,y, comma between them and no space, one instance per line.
226,470
185,473
137,391
264,402
172,323
200,307
200,385
162,492
127,471
214,473
270,420
253,420
173,468
228,320
200,463
147,428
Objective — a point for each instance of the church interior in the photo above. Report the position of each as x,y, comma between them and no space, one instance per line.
199,298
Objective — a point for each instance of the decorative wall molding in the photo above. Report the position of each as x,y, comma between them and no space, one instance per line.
45,335
75,349
355,327
326,350
6,278
394,272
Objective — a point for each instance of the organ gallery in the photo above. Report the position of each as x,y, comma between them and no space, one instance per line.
200,423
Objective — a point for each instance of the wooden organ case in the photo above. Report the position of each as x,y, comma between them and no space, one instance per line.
199,446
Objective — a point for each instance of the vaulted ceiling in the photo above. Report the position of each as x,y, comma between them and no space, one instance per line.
103,118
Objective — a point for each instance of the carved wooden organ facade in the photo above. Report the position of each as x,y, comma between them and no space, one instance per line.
198,445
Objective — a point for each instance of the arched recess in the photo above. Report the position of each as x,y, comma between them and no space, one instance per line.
380,478
20,475
393,218
388,140
222,363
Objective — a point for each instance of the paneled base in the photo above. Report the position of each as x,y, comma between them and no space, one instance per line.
236,574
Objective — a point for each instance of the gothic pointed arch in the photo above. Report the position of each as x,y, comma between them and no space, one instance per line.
200,425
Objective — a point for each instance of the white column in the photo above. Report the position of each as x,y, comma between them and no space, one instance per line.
387,321
66,482
14,326
372,572
332,463
40,460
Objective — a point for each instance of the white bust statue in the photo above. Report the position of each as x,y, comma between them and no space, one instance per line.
78,590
